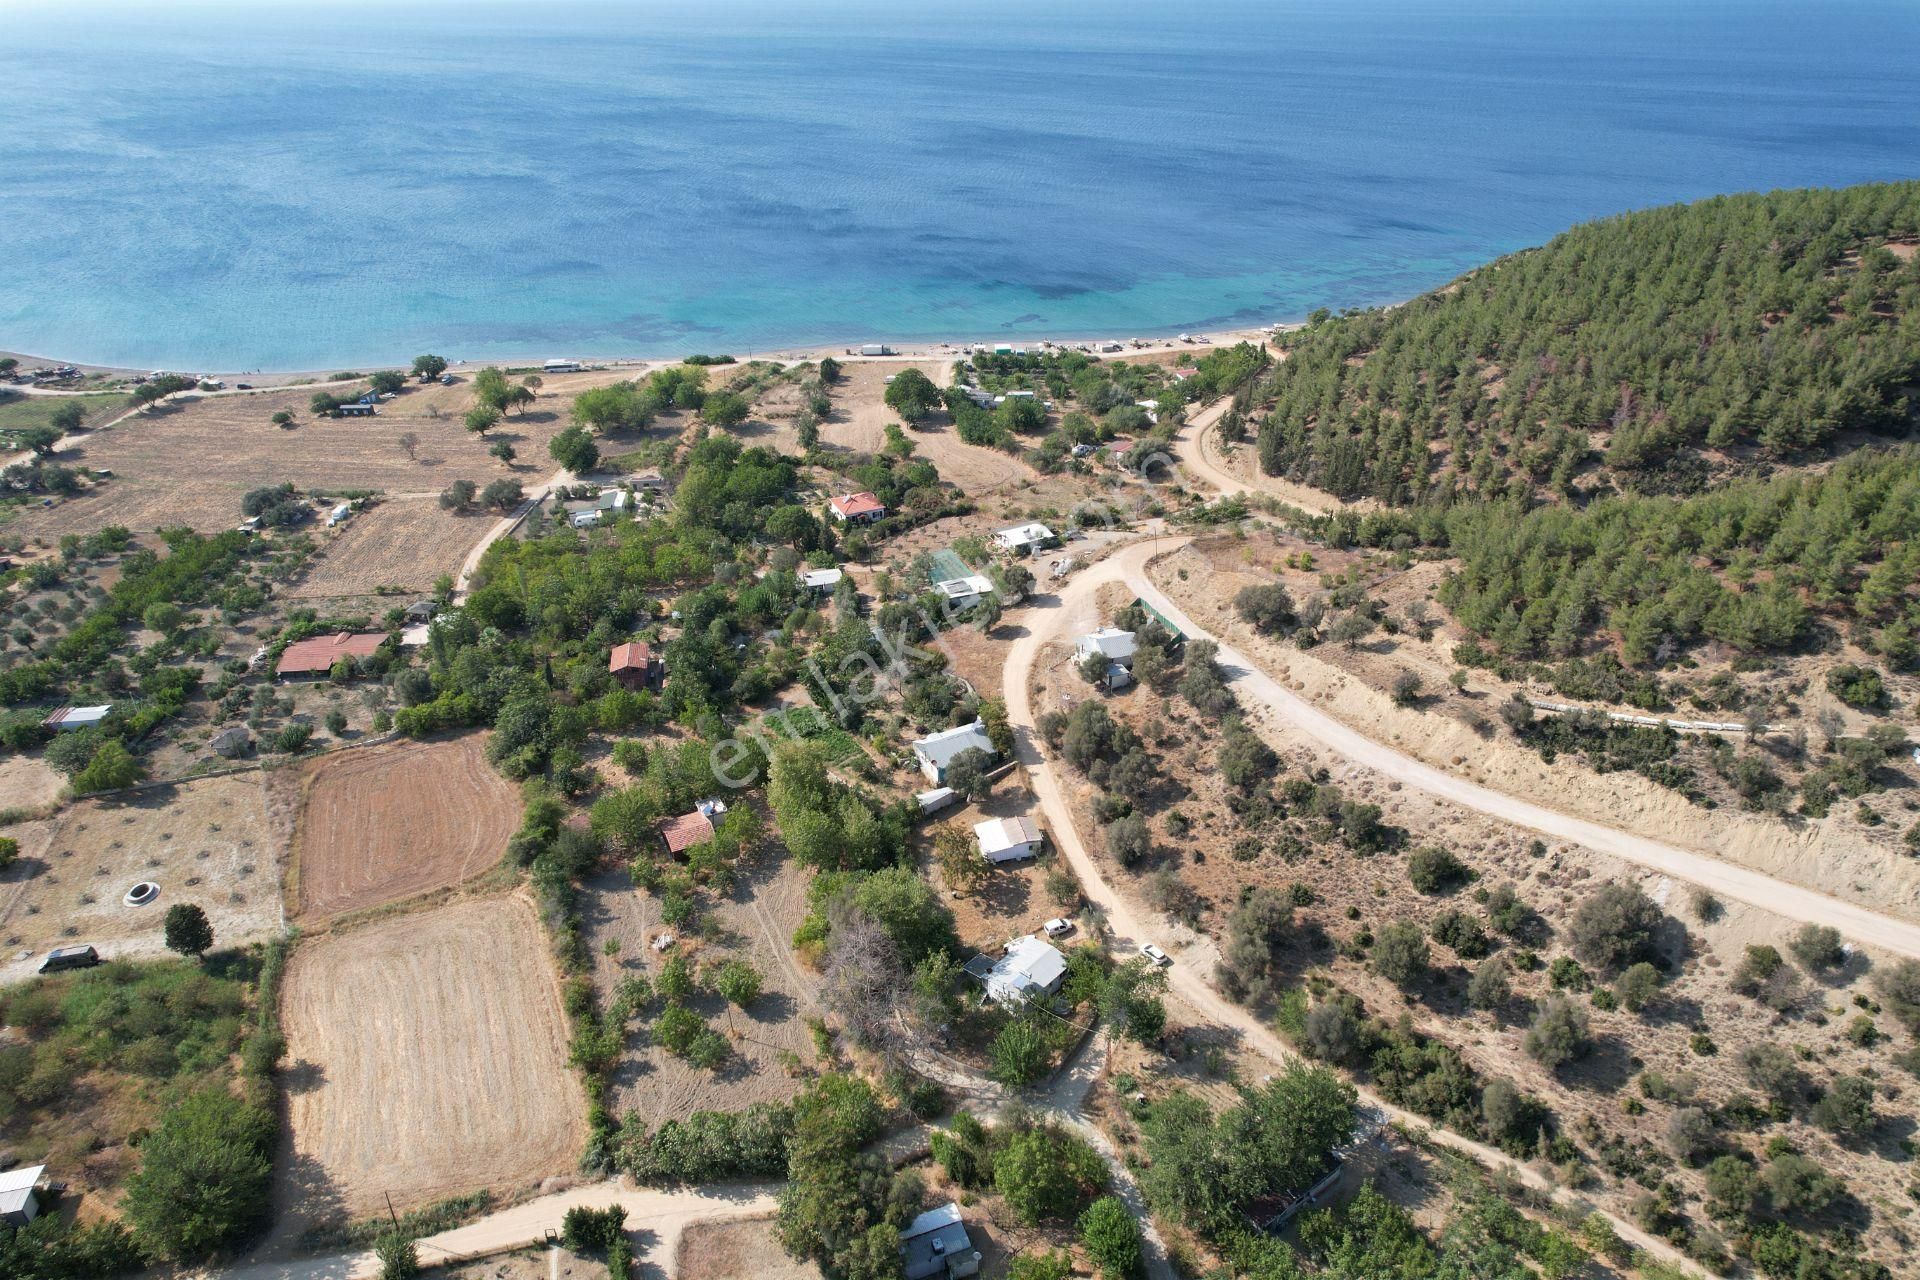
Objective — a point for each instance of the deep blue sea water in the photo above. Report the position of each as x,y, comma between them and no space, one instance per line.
306,184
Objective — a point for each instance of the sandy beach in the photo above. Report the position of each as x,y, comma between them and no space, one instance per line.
941,350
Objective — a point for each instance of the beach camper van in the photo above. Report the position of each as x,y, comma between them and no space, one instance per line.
562,366
876,349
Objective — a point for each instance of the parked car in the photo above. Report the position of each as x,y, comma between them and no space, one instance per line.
1058,928
80,957
1153,952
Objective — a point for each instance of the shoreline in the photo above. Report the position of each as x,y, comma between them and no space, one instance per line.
923,349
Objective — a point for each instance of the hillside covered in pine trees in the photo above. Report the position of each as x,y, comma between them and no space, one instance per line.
1647,353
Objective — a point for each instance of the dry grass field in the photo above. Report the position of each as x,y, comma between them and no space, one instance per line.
29,783
208,842
402,543
192,462
746,1250
427,1058
389,822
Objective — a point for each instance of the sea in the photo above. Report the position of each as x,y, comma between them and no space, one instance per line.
308,184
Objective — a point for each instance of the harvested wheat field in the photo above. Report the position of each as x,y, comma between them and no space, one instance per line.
428,1058
380,824
207,842
404,543
191,463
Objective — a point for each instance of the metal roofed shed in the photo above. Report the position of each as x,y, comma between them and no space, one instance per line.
935,800
20,1195
1007,839
67,719
821,579
936,1244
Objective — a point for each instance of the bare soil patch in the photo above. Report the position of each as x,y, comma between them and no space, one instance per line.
207,842
388,822
756,924
737,1251
401,544
427,1058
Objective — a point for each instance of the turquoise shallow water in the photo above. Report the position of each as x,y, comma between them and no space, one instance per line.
300,185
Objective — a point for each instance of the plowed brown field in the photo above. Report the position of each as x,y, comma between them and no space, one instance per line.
385,823
428,1058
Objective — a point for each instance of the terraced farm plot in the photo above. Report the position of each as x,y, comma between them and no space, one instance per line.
382,824
405,543
427,1058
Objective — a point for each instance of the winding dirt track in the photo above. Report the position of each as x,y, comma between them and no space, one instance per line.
1265,696
1073,611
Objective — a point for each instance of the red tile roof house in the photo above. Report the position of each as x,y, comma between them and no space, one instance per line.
316,655
686,831
632,666
857,508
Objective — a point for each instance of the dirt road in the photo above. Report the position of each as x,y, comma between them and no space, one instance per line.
655,1219
1073,612
1198,446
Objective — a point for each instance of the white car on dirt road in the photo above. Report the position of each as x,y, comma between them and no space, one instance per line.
1153,952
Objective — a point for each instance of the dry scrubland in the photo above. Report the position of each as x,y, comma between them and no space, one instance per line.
1195,878
208,842
426,1058
755,923
1838,855
389,822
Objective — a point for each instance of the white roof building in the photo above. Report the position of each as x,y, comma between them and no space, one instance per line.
821,579
961,593
1007,839
614,500
1110,642
19,1205
936,751
1024,537
1031,965
67,719
935,800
